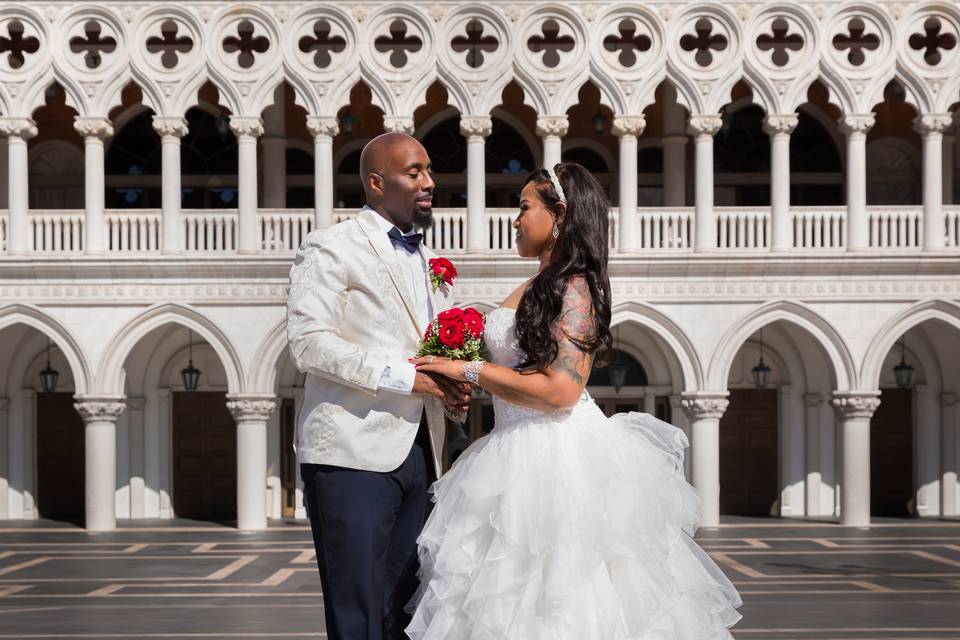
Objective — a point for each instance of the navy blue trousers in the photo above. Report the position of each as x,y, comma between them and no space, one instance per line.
365,526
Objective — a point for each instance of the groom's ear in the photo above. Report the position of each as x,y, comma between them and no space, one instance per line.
375,183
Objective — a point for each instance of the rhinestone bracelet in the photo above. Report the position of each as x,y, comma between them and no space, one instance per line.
471,371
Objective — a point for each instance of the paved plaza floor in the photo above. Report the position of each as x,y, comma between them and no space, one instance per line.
162,579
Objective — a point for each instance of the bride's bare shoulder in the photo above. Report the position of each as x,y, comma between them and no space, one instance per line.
513,300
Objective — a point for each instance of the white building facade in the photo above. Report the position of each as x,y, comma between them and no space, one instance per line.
782,178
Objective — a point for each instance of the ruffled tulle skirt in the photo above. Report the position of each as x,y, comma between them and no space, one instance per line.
574,529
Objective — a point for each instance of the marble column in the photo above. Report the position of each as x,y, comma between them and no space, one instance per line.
703,413
628,129
4,173
17,131
950,453
855,128
251,413
100,433
4,458
170,130
854,410
812,403
323,129
949,145
779,127
398,124
551,130
703,128
300,512
679,418
931,126
247,130
137,454
476,129
674,150
273,146
94,131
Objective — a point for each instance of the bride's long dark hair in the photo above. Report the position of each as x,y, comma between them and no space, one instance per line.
580,249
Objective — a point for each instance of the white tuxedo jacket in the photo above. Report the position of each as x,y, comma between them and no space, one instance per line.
348,313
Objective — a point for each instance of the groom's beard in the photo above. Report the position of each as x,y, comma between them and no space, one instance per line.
422,218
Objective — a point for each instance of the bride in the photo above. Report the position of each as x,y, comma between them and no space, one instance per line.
563,523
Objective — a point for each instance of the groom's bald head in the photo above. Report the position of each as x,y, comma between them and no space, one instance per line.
395,170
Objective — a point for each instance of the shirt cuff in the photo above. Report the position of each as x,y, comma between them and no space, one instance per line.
398,377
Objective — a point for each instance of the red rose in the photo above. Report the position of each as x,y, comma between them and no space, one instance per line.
444,269
450,315
451,335
473,322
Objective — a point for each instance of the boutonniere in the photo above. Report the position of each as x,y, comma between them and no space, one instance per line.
442,272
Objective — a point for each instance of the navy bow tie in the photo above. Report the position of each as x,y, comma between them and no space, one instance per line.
411,242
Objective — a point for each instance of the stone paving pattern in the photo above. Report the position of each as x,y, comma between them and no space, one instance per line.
163,579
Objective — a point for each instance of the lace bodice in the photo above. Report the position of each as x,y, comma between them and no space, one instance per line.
501,341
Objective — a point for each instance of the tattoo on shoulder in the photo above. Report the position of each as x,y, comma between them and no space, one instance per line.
575,326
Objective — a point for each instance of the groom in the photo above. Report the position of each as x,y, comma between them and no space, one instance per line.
371,428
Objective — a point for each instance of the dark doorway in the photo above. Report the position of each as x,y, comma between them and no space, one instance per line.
288,458
891,455
204,457
60,457
749,453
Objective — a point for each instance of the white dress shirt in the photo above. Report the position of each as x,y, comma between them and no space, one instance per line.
399,375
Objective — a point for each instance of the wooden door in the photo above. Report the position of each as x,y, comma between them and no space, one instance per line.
60,457
891,454
204,456
749,453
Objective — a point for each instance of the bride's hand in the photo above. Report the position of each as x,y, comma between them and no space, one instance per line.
452,369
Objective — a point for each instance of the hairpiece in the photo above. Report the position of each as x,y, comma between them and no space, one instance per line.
555,181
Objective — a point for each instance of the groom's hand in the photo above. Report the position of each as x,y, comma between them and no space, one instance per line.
454,395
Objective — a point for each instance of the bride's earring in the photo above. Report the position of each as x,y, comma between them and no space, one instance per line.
556,231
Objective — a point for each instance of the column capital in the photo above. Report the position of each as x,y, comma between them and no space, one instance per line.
780,123
628,125
932,123
93,409
856,405
476,126
398,124
322,126
704,124
252,408
853,123
552,126
24,128
947,399
704,407
100,128
246,126
170,126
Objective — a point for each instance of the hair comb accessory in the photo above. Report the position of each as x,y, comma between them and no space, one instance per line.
555,181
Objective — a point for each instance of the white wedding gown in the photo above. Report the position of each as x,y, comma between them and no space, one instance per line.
567,526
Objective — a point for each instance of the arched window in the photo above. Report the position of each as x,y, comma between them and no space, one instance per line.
208,161
741,148
299,194
132,166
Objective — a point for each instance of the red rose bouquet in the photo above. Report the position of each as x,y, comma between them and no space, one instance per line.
456,334
442,272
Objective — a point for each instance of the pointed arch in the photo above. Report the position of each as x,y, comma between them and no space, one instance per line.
38,319
890,332
670,332
829,339
110,376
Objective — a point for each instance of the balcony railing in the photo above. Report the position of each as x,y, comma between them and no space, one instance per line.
659,229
